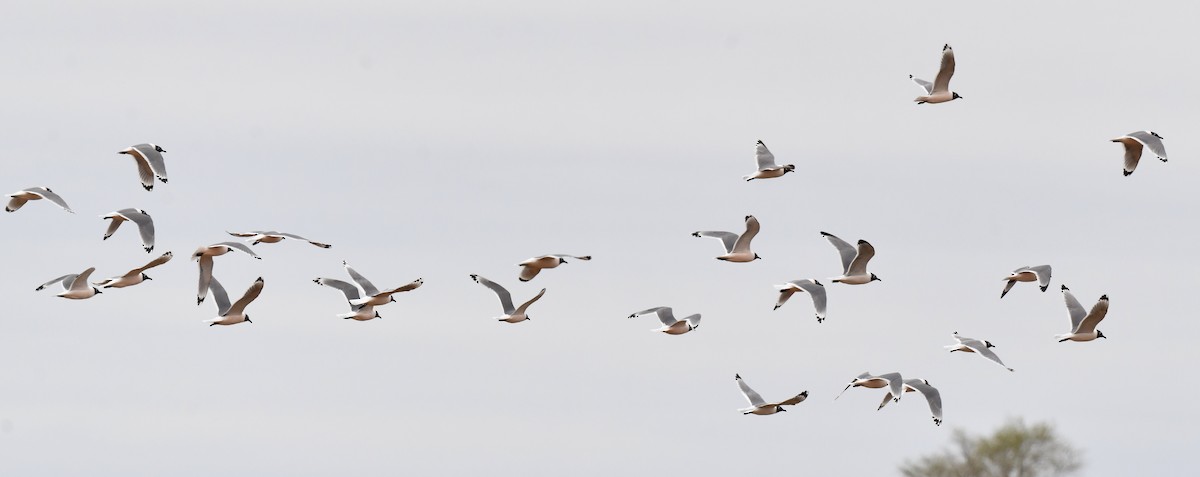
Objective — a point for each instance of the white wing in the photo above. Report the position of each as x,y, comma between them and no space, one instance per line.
753,397
251,293
1074,308
1088,324
368,287
765,159
728,239
743,242
844,249
505,297
1152,141
665,314
864,254
925,85
942,82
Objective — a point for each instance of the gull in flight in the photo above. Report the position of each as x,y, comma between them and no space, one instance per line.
19,198
1133,143
511,314
737,247
766,164
75,285
149,163
671,326
360,313
531,267
931,395
372,295
204,255
972,345
892,381
1041,273
144,223
854,260
259,236
135,276
759,406
232,314
813,287
939,90
1083,324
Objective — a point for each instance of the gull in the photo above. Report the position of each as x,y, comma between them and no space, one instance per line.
149,163
1133,143
931,395
939,90
19,198
1083,324
671,326
233,314
766,164
360,313
511,315
373,296
259,236
204,255
138,216
813,287
75,285
759,406
737,247
135,276
867,380
531,267
1041,273
854,261
972,345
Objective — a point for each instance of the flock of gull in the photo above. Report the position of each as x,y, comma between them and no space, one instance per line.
363,298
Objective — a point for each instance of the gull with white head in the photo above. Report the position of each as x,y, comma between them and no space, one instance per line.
854,261
1039,273
760,407
737,247
812,287
228,314
1083,323
19,198
671,325
939,90
135,276
530,268
767,168
511,314
149,161
144,223
972,345
75,285
1134,142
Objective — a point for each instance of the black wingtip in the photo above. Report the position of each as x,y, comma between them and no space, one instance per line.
1045,287
1104,297
1127,172
1064,288
695,234
946,47
826,234
737,376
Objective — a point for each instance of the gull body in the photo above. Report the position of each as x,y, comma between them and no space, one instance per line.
854,261
971,345
671,325
259,236
812,287
135,276
75,286
204,257
1083,323
531,267
737,247
143,220
232,314
1134,142
892,381
939,90
19,198
932,397
767,168
1039,273
149,161
511,314
760,407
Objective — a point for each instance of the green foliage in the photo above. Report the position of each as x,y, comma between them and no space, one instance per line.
1014,450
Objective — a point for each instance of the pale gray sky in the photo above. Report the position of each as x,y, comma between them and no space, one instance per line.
440,139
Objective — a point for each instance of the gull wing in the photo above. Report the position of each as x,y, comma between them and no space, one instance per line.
1074,308
743,242
525,306
728,239
665,314
1088,324
753,397
844,249
251,293
765,159
501,292
864,254
942,82
925,85
219,296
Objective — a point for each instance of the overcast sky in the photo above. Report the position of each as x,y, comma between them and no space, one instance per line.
441,139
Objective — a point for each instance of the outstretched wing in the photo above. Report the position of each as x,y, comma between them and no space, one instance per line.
154,157
346,288
297,237
863,255
845,250
665,314
1074,308
728,239
239,246
368,287
525,306
145,226
1152,141
50,196
251,293
219,296
501,292
942,82
765,159
743,242
931,395
1093,318
164,258
753,397
925,85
